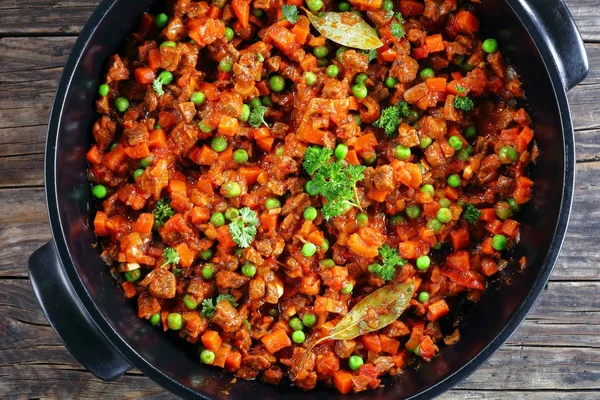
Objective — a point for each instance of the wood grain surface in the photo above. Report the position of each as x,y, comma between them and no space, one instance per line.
555,354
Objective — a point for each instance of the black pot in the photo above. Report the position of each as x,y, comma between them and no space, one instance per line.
100,327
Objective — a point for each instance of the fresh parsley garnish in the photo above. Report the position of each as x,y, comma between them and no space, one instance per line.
257,116
162,211
390,118
171,257
397,30
259,57
290,13
460,89
335,181
209,305
371,55
471,214
464,103
243,228
157,85
390,259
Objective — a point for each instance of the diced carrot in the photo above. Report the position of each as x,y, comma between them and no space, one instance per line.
129,289
451,193
377,195
420,53
154,59
426,347
488,214
228,126
115,158
510,228
486,246
167,119
522,192
526,135
186,256
435,43
389,55
488,266
352,157
233,361
367,5
266,143
311,285
460,239
100,223
276,341
309,63
205,30
301,30
466,22
214,12
409,249
144,223
241,8
224,237
494,226
456,75
437,310
94,155
221,355
144,75
415,335
459,260
211,340
206,156
226,155
430,209
138,152
157,139
411,8
342,380
250,174
359,247
268,222
400,359
199,215
210,91
314,136
389,345
364,143
427,235
205,186
316,237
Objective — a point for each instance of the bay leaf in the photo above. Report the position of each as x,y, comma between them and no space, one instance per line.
346,29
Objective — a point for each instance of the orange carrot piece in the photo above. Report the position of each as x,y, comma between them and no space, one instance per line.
144,223
228,126
129,289
389,345
211,340
158,139
241,9
186,256
435,43
276,341
100,223
437,310
342,381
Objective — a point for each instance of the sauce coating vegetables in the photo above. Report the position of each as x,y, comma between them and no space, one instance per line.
302,190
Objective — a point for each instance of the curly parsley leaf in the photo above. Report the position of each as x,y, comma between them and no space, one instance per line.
257,116
162,211
390,118
157,85
390,259
464,103
316,157
243,228
171,257
371,55
290,13
471,214
397,30
259,57
209,305
460,89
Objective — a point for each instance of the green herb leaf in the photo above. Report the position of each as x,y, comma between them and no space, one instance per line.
371,55
171,257
390,118
397,30
257,116
390,259
460,89
316,157
290,13
162,211
243,228
464,103
471,214
346,29
157,86
209,305
259,57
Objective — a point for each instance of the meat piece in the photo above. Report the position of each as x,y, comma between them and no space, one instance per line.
188,111
170,57
147,306
299,202
226,317
489,168
150,100
163,284
155,178
256,289
405,69
135,132
175,30
243,341
231,104
199,288
355,62
117,70
407,136
230,280
384,177
104,132
434,128
272,376
185,136
434,155
344,348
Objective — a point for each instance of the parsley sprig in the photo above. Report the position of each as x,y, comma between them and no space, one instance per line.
162,211
471,214
171,257
257,116
464,103
396,27
391,117
290,13
209,305
243,228
390,259
335,181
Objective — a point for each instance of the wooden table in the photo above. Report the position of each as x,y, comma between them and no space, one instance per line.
554,354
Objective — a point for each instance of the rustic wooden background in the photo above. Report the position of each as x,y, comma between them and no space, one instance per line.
554,354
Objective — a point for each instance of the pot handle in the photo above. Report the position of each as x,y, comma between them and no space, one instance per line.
560,31
66,314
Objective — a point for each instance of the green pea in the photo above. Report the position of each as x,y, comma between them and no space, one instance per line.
99,191
266,101
426,73
206,254
402,153
207,357
397,219
232,189
112,146
245,115
231,213
507,155
146,161
423,297
341,151
298,337
469,149
391,82
462,155
168,43
166,77
470,132
503,210
357,119
423,262
362,219
425,142
310,78
161,20
347,289
371,160
310,213
217,219
514,205
413,116
444,202
240,156
255,103
338,53
309,249
321,51
361,79
459,60
344,6
205,127
499,242
103,90
327,263
279,151
490,45
219,144
325,245
311,189
122,104
258,13
413,211
428,189
208,271
455,142
190,302
309,320
332,71
249,269
277,83
434,224
133,275
388,5
296,324
229,34
155,319
174,321
354,362
272,203
360,91
437,246
454,180
314,5
225,65
198,98
444,215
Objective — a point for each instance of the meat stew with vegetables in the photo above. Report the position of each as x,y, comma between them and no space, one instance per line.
301,189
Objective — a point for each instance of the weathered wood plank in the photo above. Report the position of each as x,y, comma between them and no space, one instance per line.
586,14
459,394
